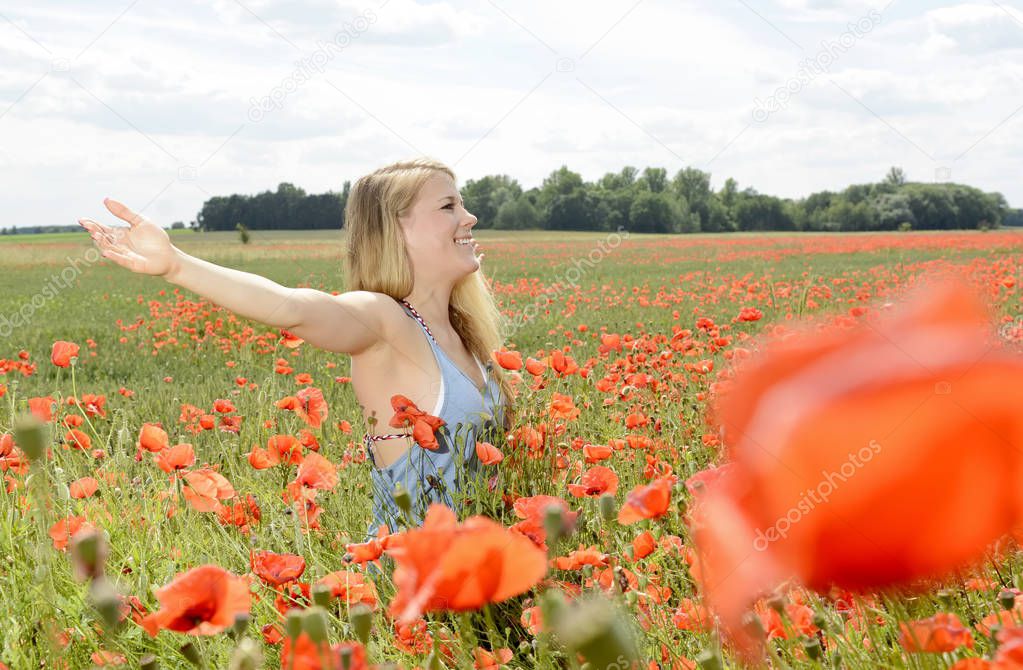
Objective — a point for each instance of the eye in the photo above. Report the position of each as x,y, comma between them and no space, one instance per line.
450,204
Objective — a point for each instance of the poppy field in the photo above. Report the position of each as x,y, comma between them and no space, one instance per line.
728,450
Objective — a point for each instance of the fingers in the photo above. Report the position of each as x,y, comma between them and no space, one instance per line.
123,212
117,257
100,234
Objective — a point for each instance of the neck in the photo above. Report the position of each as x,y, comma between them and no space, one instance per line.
432,305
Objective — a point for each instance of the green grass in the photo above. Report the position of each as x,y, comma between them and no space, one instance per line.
644,280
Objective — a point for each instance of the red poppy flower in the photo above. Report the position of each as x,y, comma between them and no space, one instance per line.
938,634
203,601
896,425
305,654
350,587
594,453
532,511
596,481
84,487
424,426
316,472
647,501
308,404
153,438
42,408
447,566
491,660
643,545
205,489
488,453
277,569
78,440
580,557
62,353
63,530
178,457
535,367
509,360
563,408
290,340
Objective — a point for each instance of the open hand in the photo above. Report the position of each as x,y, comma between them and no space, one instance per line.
142,246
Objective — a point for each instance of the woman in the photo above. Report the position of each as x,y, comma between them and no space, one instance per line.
418,321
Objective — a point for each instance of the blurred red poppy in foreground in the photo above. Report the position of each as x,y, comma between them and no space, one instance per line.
203,601
445,565
865,456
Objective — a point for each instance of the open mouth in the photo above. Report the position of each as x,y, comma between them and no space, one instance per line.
464,241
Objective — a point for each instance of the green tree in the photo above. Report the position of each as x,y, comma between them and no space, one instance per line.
517,214
893,210
654,180
658,212
484,197
895,176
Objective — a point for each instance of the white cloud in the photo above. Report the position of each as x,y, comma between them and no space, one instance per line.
642,84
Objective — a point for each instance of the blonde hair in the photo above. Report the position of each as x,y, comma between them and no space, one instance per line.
378,260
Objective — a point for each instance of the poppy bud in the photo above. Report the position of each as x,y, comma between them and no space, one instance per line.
191,654
708,659
820,620
753,626
608,508
241,624
402,499
361,617
777,603
552,605
28,435
993,631
88,553
945,597
812,648
314,623
433,661
596,629
554,524
148,662
346,658
1007,599
246,656
293,623
106,601
321,595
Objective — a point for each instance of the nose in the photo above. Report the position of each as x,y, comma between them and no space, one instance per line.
472,220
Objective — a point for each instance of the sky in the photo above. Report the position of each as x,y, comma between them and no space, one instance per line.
162,105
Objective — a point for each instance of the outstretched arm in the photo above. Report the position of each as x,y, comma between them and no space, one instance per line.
347,323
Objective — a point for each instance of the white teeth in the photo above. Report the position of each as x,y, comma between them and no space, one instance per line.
464,241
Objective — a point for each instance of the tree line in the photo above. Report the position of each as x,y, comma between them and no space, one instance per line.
649,201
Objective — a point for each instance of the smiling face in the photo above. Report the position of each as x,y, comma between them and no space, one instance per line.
438,232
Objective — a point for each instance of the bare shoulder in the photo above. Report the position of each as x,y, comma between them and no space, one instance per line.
384,310
353,322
